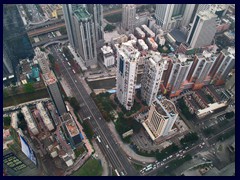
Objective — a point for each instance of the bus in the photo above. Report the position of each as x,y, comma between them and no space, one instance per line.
98,138
53,34
117,172
74,71
67,108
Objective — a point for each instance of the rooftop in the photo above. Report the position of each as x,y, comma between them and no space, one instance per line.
82,14
72,128
206,15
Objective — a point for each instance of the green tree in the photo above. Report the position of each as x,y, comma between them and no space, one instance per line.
7,121
114,18
74,103
63,30
22,123
109,28
229,115
189,139
5,93
28,88
52,60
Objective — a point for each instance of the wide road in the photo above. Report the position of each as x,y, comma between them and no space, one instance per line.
109,147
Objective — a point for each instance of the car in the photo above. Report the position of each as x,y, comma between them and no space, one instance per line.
107,146
75,81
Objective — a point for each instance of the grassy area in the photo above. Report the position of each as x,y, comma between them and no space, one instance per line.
184,109
92,167
25,97
138,167
79,151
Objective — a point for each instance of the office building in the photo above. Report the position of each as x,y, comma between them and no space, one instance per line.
189,11
175,77
96,10
50,81
223,66
18,157
85,37
129,17
203,29
46,120
198,8
200,69
8,73
16,43
30,121
108,56
127,64
161,118
153,69
68,10
169,16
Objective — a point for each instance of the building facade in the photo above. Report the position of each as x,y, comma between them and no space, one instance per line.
161,118
85,36
153,69
127,64
203,29
129,17
175,77
108,56
169,16
225,64
96,10
16,43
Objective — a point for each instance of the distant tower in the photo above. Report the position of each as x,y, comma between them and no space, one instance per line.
203,29
127,63
129,17
152,75
169,16
85,36
161,117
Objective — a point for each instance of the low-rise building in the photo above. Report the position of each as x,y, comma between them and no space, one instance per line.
30,121
108,56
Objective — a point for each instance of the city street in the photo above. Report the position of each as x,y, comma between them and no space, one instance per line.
88,108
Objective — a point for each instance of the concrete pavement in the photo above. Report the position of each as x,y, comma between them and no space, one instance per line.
127,149
99,155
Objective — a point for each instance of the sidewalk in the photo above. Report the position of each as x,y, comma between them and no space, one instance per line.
78,59
100,156
128,151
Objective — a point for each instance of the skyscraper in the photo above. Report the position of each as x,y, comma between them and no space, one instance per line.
223,65
127,63
189,10
16,43
198,8
85,36
161,117
200,69
203,29
153,69
68,10
169,16
174,78
96,10
129,17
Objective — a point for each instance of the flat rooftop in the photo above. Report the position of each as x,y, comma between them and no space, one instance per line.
72,128
82,14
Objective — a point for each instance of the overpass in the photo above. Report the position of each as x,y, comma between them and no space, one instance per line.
45,30
54,42
48,41
43,24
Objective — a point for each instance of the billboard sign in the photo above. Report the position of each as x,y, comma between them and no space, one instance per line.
27,150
